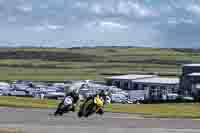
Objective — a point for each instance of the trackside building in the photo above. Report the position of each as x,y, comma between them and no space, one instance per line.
145,87
190,80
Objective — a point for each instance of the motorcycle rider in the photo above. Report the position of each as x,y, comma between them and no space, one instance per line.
75,98
101,95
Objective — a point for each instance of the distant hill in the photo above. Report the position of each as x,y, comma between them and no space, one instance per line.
91,63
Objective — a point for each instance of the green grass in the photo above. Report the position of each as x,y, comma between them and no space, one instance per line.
101,62
45,74
27,102
182,110
10,131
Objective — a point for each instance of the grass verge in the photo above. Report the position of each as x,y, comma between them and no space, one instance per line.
23,102
176,110
181,110
10,131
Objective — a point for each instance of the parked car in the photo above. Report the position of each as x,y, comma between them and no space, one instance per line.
1,92
118,98
55,95
15,92
172,96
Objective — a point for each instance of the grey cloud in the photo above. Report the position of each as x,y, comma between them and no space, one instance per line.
139,22
39,28
32,11
115,8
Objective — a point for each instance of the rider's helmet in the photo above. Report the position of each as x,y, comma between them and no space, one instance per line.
102,93
75,95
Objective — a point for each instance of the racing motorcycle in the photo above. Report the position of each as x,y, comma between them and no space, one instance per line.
65,106
94,105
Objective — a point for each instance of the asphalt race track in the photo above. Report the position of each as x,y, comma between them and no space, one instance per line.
41,121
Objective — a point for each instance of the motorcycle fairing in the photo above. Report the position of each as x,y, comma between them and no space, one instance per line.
68,101
98,101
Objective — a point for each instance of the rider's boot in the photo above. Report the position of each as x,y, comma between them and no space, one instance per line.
101,112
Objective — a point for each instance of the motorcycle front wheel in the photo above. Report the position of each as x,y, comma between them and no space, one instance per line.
90,110
62,109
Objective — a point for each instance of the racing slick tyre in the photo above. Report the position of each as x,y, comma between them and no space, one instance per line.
80,114
90,110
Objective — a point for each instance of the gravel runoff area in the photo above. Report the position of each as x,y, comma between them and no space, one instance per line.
42,121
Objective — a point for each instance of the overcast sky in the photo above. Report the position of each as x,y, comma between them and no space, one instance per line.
66,23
